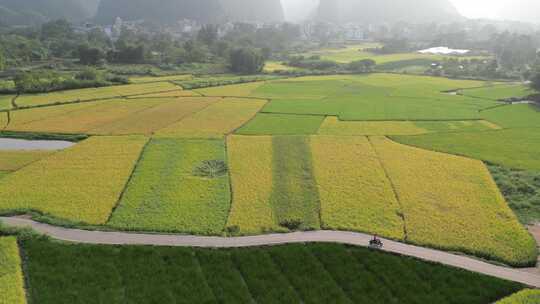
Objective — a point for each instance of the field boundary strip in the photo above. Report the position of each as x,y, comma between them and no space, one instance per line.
394,189
341,237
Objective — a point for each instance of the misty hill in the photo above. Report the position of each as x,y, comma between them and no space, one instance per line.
27,12
382,11
521,10
169,11
253,10
158,11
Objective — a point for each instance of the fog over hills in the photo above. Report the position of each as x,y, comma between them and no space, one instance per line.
521,10
23,12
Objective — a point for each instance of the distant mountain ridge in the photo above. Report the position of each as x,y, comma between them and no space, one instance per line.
25,12
387,11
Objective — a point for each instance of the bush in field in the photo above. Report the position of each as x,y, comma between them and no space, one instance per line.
362,66
246,61
211,168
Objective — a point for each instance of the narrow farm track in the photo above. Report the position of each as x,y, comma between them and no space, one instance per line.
349,238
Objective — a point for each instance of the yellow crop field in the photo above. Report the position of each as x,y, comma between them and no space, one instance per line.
87,119
250,162
94,93
215,121
333,126
354,191
3,120
150,79
150,120
236,90
526,296
14,160
176,93
11,276
22,117
453,203
81,184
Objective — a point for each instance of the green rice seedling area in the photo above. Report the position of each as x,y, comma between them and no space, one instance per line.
316,273
342,152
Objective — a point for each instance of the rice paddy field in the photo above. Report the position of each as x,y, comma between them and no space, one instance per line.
527,296
316,273
11,276
377,153
80,184
165,194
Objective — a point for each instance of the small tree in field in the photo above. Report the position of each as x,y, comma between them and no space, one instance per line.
246,61
535,82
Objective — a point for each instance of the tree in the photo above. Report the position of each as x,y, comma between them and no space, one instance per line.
362,66
246,61
2,62
90,55
535,82
208,34
87,74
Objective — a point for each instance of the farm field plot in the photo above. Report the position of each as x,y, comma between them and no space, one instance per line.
79,184
512,148
236,90
11,276
5,102
215,121
250,162
316,273
453,203
87,118
3,120
334,126
527,296
354,192
4,173
166,194
499,91
514,116
282,124
94,93
295,197
162,113
14,160
152,79
175,93
379,97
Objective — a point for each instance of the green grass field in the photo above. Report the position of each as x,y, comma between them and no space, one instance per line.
498,92
164,194
317,273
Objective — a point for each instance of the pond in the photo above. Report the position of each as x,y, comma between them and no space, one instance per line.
7,144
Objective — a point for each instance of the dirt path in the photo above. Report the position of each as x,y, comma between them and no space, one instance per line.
350,238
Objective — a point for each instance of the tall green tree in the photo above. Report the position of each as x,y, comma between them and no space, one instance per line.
246,61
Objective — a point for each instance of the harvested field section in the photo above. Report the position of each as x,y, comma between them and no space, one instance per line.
152,119
294,199
333,126
94,93
165,194
278,124
86,119
354,191
236,90
453,203
215,121
11,276
14,160
250,165
80,184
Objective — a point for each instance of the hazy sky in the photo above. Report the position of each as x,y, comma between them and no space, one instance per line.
525,10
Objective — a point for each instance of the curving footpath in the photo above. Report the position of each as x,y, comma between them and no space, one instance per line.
349,238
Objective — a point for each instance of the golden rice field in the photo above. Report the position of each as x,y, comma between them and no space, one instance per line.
250,165
177,93
14,160
23,117
3,120
11,275
215,121
152,79
354,192
161,115
333,126
527,296
235,90
86,119
452,202
95,93
81,184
